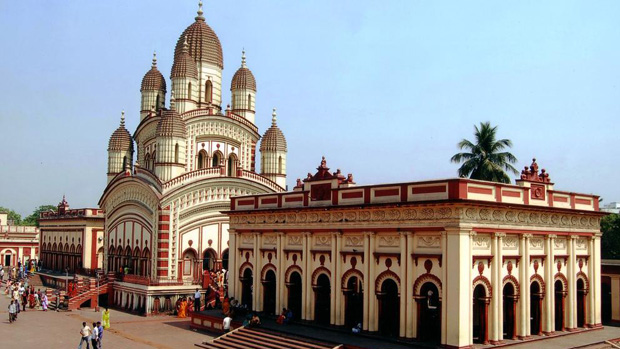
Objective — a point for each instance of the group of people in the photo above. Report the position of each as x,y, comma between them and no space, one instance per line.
22,295
91,336
285,317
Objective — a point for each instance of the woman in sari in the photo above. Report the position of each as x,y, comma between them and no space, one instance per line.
182,308
44,301
31,299
226,306
106,319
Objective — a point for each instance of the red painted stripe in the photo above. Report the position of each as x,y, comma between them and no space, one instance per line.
164,218
269,201
164,227
429,189
353,195
386,192
513,194
162,263
163,255
162,273
294,199
583,202
245,202
163,245
477,190
560,199
163,236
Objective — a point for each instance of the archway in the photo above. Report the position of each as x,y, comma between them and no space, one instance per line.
189,261
429,313
322,300
209,258
535,308
225,259
246,288
354,302
480,315
389,309
510,309
581,303
559,305
269,293
294,295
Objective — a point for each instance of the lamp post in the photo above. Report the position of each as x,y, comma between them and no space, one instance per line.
97,307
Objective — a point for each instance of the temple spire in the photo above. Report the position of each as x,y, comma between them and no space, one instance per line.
273,117
154,65
200,13
123,118
243,58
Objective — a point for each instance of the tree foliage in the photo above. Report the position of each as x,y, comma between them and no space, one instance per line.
33,219
12,216
485,159
610,241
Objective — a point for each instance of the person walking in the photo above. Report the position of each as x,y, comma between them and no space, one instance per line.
100,332
85,336
226,323
197,301
12,312
106,319
94,340
44,301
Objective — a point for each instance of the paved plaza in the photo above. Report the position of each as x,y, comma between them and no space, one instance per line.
51,330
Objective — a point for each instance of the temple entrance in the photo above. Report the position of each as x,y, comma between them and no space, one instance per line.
581,303
208,260
7,260
389,309
559,305
535,308
354,302
480,315
322,300
606,299
510,307
246,288
429,313
294,295
269,293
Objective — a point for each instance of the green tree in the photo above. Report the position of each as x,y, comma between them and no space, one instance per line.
33,219
610,241
485,159
12,216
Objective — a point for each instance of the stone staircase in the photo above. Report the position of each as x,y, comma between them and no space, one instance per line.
247,338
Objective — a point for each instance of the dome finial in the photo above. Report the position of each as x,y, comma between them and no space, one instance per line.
243,58
200,16
154,65
273,117
123,118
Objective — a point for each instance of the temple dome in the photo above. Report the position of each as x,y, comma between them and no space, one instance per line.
203,43
184,65
243,78
153,79
273,139
170,124
121,138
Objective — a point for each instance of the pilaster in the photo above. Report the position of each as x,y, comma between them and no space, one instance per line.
496,282
334,280
595,279
279,275
307,276
571,322
549,315
524,299
373,317
408,295
457,289
404,287
233,271
444,296
336,275
367,293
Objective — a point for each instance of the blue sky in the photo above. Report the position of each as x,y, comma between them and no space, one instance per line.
384,89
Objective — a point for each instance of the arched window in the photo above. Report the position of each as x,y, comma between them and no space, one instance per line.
232,165
176,153
280,164
147,161
189,90
216,159
124,162
249,102
153,161
208,91
157,102
202,159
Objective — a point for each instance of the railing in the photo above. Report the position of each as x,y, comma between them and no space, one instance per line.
204,112
148,174
258,178
192,176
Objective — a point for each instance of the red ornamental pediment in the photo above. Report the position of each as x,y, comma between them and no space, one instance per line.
531,174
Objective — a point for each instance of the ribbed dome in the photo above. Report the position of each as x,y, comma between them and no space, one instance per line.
153,79
184,65
273,139
203,44
243,78
121,139
171,124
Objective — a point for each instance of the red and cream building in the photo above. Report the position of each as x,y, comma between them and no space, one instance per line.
17,243
455,261
163,222
72,239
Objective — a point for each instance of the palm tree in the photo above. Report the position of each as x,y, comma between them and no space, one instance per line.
485,160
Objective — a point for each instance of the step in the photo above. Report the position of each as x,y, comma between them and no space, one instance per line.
263,335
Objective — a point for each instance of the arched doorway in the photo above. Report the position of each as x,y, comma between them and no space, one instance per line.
269,293
322,300
354,302
510,309
246,287
429,313
581,303
480,315
606,299
225,259
208,259
389,309
294,295
535,308
559,305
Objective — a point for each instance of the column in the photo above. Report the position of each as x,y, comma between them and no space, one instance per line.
366,258
307,291
496,281
571,307
549,315
282,289
279,267
524,280
372,297
458,290
595,279
336,275
334,279
444,290
404,284
256,284
408,287
233,269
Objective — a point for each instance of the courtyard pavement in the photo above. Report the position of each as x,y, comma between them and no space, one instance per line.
55,330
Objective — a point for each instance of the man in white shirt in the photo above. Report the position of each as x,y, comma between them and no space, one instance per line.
197,301
85,334
95,336
226,323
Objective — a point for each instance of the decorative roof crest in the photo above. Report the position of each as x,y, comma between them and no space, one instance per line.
531,173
